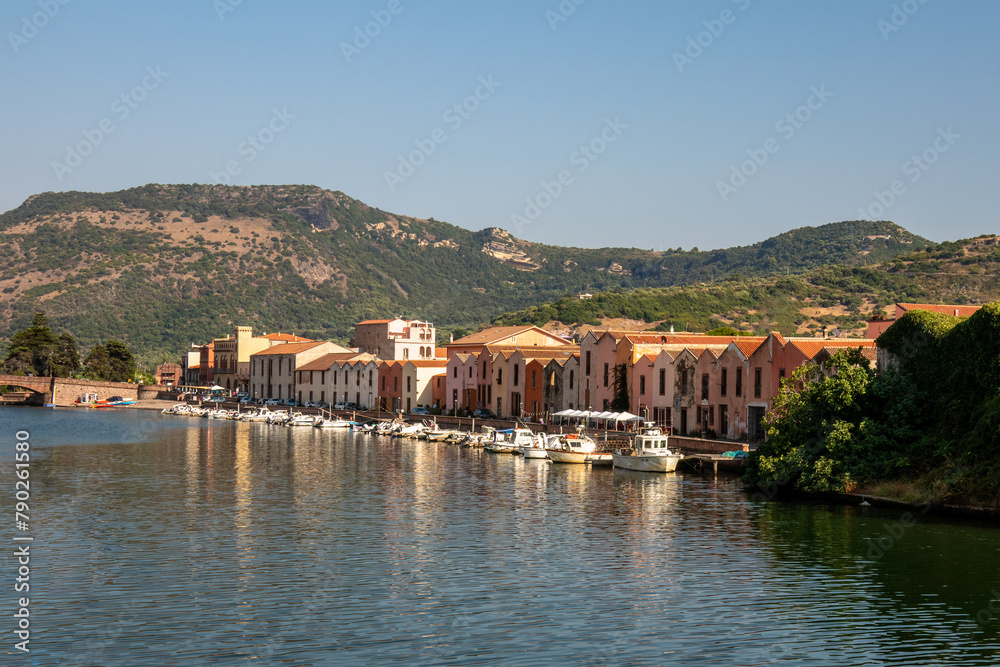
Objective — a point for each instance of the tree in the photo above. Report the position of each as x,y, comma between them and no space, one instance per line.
620,402
813,431
121,363
66,359
96,366
32,349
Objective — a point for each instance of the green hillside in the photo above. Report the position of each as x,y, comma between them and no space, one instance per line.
160,266
841,297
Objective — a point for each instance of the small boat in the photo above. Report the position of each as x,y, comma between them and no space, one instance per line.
575,448
114,402
509,441
648,453
299,419
536,449
333,423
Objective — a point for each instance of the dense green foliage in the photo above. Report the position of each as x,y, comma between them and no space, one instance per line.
112,362
931,419
127,265
38,351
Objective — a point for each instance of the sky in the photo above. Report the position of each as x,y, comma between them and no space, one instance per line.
592,123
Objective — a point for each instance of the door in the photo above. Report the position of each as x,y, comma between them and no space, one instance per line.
684,421
755,423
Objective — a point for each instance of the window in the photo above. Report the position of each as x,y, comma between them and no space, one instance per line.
722,389
484,371
756,383
571,379
406,353
454,372
606,405
383,383
335,377
711,415
517,372
533,380
605,375
279,365
739,381
704,386
499,376
642,385
357,378
663,382
781,374
684,381
470,371
395,384
587,370
408,385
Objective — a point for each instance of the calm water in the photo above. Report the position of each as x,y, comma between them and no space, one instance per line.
177,541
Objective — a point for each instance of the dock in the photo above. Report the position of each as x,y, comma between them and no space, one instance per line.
700,462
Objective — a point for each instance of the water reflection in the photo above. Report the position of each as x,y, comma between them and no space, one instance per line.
220,543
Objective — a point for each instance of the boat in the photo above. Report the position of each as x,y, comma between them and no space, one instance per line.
114,402
335,422
299,419
575,448
509,441
536,449
648,453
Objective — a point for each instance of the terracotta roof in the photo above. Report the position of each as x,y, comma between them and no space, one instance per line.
961,311
327,360
747,345
288,348
495,334
375,322
288,338
811,347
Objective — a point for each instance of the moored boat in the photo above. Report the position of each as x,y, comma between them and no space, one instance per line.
575,448
648,453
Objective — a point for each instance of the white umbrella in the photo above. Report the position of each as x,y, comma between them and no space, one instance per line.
627,417
215,387
564,413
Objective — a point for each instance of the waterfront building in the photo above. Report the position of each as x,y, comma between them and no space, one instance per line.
232,355
461,382
559,383
396,339
339,377
416,382
169,374
272,371
439,389
390,385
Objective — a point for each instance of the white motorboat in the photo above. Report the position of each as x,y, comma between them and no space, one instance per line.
332,423
575,448
536,449
648,453
509,441
299,419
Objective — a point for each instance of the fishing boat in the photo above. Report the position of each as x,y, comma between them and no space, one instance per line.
648,453
575,448
535,449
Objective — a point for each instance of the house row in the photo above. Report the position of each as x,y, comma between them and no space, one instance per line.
722,385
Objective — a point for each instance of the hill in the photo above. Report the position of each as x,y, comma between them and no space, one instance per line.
162,265
833,297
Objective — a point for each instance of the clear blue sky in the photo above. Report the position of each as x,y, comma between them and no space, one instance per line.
666,120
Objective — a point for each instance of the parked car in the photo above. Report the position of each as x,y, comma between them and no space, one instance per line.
246,400
322,404
350,406
483,413
340,405
271,401
420,410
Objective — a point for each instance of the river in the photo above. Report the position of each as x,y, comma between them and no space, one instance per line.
164,540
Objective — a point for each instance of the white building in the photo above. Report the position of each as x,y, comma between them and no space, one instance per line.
395,339
272,371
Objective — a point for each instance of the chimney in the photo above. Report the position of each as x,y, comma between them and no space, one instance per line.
671,328
824,332
956,312
451,338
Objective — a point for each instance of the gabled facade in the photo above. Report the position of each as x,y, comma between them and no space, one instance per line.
272,371
519,336
417,376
